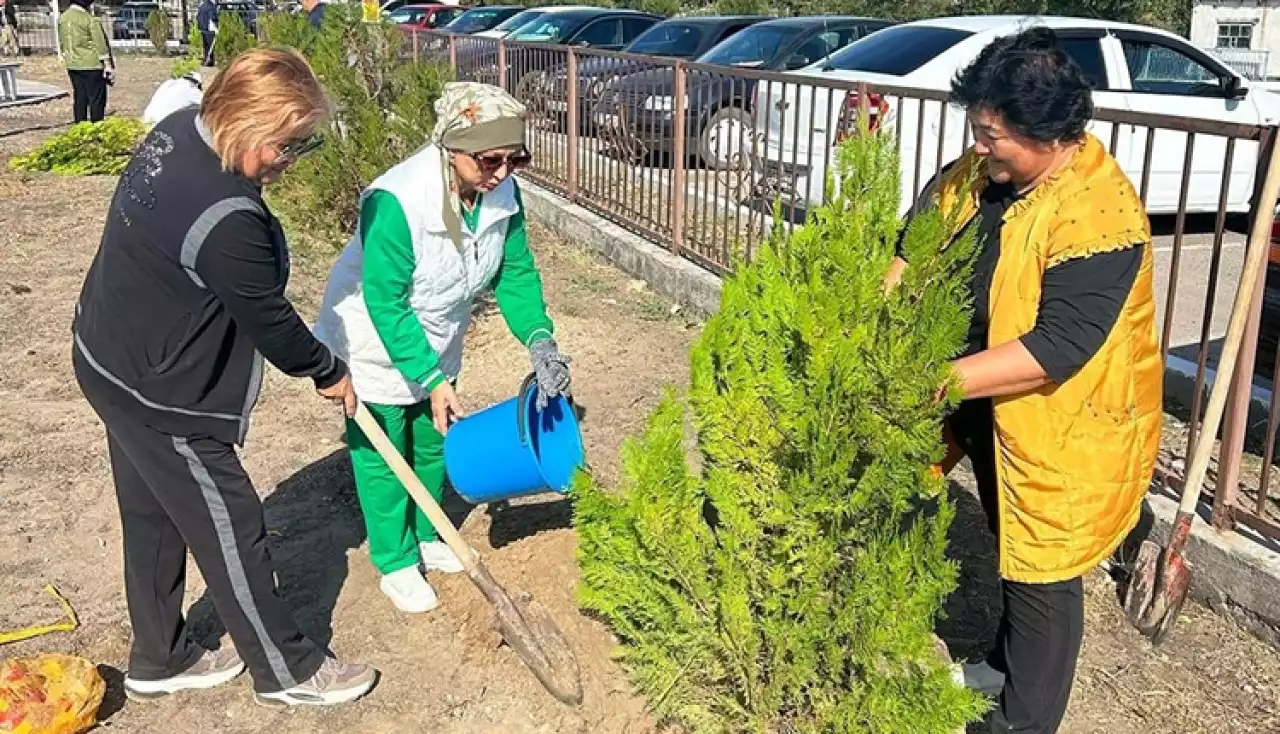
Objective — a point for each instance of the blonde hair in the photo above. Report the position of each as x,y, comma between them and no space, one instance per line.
266,96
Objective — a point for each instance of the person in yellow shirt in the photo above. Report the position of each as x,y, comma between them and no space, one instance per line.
1062,374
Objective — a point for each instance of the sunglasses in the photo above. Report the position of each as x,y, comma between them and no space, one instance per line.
295,150
491,162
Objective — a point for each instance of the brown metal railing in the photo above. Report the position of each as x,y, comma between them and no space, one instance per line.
695,158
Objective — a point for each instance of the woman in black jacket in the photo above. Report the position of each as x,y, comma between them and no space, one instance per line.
184,300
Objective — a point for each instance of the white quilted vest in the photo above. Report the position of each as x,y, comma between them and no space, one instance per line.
446,281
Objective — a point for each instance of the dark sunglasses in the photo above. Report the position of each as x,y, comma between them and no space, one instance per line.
295,150
491,162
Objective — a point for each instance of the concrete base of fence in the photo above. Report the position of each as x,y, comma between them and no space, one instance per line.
1235,573
668,275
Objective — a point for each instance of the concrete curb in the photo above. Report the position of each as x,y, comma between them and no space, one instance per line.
668,275
1237,574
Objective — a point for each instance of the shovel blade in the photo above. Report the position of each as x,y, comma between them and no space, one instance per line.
529,630
1170,593
1142,582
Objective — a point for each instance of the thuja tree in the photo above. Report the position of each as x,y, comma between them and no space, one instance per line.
786,575
383,112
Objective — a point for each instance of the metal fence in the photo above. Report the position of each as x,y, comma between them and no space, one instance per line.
126,30
696,157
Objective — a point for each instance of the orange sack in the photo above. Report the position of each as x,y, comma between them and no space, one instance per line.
49,694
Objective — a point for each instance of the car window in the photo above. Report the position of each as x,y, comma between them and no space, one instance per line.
1161,69
814,50
751,48
1087,53
732,29
669,39
404,15
548,29
632,28
519,19
607,32
444,16
476,19
897,50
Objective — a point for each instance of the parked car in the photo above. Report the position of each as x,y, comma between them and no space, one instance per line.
480,19
503,29
608,29
719,107
130,21
1131,67
424,17
677,38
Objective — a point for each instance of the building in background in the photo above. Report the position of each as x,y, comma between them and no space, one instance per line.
1243,33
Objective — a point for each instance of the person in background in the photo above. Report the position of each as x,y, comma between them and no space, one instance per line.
87,56
315,12
184,301
435,231
1062,376
9,45
173,95
207,25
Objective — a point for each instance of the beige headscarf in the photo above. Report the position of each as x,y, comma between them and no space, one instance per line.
472,118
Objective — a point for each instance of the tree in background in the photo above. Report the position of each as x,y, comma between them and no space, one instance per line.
790,579
383,112
158,30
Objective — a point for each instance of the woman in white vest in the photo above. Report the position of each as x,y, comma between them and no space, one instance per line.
435,231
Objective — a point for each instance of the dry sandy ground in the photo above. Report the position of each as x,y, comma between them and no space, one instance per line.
445,671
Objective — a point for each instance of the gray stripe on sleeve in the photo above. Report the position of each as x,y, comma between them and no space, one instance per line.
231,557
204,224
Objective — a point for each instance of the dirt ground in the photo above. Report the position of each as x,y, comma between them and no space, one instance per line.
444,671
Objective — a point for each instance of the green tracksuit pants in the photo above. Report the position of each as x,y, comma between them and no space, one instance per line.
394,522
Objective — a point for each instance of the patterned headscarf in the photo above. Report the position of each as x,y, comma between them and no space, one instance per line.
472,118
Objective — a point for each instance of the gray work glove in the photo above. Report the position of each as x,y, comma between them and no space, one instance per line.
551,368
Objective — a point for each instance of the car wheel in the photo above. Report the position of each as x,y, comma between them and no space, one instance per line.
725,141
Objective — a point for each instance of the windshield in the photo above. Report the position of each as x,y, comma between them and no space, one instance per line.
680,40
475,20
548,29
406,15
898,50
751,48
519,19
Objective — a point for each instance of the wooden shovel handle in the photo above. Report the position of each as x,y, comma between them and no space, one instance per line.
1258,245
413,485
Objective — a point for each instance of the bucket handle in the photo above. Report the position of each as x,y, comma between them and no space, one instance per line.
522,425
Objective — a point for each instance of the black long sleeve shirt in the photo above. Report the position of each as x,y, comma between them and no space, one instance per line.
186,295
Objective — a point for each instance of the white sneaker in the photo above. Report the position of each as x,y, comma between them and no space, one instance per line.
979,677
438,556
409,591
333,683
212,669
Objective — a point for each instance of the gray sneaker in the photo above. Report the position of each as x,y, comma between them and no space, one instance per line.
212,669
333,683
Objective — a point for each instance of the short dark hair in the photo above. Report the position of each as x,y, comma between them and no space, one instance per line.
1036,88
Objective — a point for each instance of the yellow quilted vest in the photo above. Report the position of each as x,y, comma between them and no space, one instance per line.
1073,461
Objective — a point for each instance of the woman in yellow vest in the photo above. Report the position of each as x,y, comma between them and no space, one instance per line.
1062,374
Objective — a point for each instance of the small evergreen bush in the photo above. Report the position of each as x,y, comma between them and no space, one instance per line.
233,38
85,149
158,31
192,61
791,579
383,112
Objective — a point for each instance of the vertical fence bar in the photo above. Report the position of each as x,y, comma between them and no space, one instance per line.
915,178
1269,449
416,47
1235,420
942,139
1215,262
1145,186
502,64
1174,264
572,144
453,53
678,158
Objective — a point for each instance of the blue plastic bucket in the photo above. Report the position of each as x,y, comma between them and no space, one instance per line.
512,449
